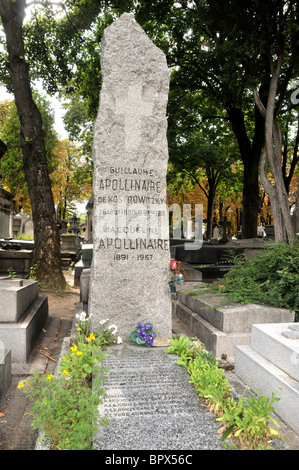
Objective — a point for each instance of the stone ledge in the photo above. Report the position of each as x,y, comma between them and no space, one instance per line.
21,337
264,377
222,328
269,341
233,317
15,297
219,343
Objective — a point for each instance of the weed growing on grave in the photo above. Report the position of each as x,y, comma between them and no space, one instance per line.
65,405
32,272
272,278
11,273
246,420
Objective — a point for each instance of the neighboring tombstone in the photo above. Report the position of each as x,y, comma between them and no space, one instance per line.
74,224
89,212
6,213
6,203
130,267
216,233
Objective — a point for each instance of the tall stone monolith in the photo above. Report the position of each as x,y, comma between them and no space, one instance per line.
130,267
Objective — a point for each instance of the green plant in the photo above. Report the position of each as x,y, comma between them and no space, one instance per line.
249,418
271,278
65,404
32,272
246,420
11,273
208,379
180,346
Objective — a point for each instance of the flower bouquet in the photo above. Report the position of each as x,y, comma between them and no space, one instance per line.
143,334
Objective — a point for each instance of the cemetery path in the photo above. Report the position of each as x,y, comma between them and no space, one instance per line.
16,432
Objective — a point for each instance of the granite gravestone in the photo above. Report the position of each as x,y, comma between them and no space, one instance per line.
131,257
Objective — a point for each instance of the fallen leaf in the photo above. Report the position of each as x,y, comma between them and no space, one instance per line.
2,414
220,430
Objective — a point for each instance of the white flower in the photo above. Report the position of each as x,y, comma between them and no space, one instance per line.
82,316
119,340
102,322
113,327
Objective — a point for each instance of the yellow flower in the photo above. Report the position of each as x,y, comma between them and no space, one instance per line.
50,377
91,336
79,353
74,348
79,329
66,372
21,385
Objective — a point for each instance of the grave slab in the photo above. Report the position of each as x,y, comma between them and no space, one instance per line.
270,342
16,295
261,375
219,326
21,337
151,405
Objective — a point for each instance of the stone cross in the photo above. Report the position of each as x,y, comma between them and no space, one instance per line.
134,108
130,267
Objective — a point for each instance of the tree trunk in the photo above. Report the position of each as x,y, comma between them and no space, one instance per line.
250,197
296,213
46,257
250,154
213,180
272,155
210,212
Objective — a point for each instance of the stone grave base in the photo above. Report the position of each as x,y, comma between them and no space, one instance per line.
23,313
222,327
21,337
16,296
190,274
18,260
269,364
84,263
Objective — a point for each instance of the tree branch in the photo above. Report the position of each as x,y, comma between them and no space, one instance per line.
259,103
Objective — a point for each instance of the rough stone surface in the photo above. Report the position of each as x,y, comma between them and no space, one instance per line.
151,405
130,267
16,295
292,332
